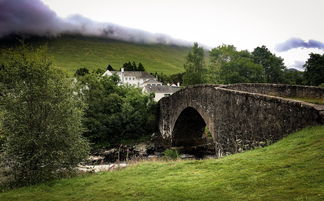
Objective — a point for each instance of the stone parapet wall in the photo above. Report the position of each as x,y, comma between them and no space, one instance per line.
282,90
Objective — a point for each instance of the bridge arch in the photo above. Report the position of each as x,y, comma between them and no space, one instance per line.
189,129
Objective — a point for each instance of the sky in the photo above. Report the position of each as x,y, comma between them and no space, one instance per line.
289,28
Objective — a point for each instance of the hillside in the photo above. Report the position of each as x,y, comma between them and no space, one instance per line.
71,52
291,169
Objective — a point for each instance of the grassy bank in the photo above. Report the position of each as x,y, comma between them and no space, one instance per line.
292,169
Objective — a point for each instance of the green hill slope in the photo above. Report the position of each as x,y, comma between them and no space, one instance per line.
292,169
71,52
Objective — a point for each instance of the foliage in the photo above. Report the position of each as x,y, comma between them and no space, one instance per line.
273,65
81,72
171,154
115,113
131,66
227,65
169,79
42,121
291,169
314,69
218,57
194,66
293,77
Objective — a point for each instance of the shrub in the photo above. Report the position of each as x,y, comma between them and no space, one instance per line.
171,154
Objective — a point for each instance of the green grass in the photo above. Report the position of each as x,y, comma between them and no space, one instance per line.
310,100
71,52
292,169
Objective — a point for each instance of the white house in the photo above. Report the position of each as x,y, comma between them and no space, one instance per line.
133,78
144,80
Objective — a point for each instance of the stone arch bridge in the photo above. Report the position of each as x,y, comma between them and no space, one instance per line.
237,117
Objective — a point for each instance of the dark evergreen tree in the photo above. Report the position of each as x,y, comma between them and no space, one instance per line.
140,67
110,68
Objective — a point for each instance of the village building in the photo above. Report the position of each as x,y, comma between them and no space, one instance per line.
160,91
144,80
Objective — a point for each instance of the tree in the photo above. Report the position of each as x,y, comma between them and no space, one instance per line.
194,66
42,121
115,113
134,67
241,70
231,66
218,58
273,65
110,68
140,67
314,69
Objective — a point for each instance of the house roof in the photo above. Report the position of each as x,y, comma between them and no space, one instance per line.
152,81
137,74
161,89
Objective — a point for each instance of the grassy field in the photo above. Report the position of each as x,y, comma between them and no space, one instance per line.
71,52
292,169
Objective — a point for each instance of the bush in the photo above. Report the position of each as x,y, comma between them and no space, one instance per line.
171,154
42,126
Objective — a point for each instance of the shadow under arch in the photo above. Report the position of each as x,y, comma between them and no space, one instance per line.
189,132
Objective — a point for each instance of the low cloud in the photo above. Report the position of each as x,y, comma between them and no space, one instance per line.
34,17
299,43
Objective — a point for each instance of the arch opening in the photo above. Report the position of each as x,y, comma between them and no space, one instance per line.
189,133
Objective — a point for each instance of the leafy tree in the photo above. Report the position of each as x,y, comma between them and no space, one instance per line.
273,65
115,113
194,66
314,69
241,70
218,58
168,79
99,71
42,121
81,72
227,65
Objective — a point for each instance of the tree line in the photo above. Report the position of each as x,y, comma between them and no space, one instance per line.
227,65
